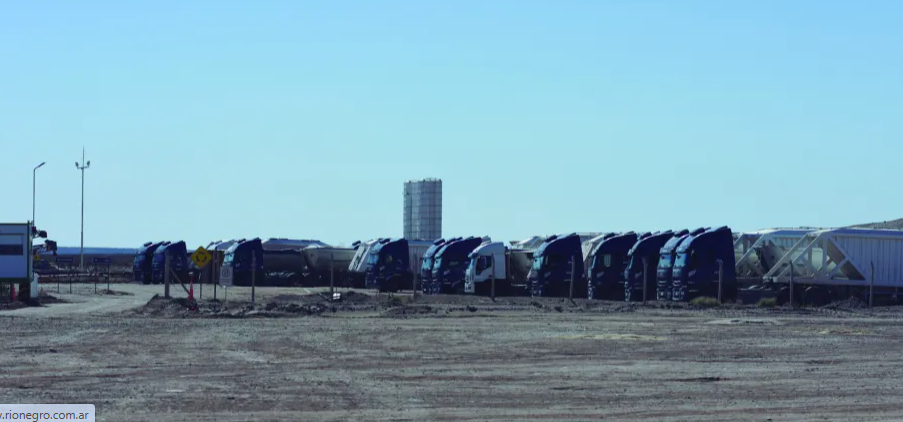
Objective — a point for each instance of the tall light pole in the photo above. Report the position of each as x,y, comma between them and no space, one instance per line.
34,187
83,166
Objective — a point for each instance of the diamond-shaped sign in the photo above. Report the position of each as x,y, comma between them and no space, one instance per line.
201,257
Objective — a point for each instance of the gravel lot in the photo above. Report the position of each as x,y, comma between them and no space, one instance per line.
448,359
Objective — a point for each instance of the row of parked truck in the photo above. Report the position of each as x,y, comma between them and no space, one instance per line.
667,265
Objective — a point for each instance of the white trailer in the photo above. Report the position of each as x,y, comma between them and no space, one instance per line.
757,252
841,263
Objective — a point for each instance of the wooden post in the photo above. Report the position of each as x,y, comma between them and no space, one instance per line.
331,276
253,276
492,276
645,274
791,284
872,285
166,277
573,271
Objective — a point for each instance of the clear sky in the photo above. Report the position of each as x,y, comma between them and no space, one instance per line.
216,119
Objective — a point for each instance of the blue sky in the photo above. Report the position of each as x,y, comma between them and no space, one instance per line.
208,120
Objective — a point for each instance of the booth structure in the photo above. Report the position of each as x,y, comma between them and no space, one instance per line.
16,259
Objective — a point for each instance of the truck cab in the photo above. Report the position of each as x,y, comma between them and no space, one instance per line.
640,271
238,259
451,264
178,261
557,260
609,259
388,266
665,268
426,263
697,266
142,265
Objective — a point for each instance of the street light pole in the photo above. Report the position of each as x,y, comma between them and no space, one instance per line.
34,186
83,166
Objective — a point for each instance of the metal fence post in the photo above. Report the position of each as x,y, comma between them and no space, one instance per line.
645,279
331,275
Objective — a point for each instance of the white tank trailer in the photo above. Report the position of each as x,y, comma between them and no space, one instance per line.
832,264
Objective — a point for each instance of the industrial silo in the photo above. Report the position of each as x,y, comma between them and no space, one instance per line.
423,209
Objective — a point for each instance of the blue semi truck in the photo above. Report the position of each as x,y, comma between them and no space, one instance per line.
142,265
426,264
639,276
279,262
555,263
389,267
450,265
696,268
178,261
665,269
609,258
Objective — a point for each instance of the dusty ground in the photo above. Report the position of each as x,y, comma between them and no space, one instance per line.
448,359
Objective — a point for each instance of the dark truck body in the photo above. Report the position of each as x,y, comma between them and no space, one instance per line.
178,261
142,266
609,258
426,263
388,266
639,276
557,260
665,269
450,266
285,267
327,264
695,270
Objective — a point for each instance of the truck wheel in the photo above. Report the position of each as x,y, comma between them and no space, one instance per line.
591,291
629,295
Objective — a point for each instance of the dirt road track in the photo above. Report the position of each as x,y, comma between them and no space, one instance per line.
637,365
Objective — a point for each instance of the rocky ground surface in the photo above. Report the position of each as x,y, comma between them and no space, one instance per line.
296,355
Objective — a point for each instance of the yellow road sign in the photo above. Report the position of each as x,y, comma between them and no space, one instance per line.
201,257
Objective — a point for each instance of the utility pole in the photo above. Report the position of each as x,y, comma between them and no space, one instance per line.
82,167
34,187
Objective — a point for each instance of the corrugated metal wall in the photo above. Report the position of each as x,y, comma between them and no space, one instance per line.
423,209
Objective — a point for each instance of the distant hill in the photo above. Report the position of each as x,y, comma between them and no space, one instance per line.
891,225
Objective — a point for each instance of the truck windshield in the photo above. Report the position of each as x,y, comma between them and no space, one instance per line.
681,260
665,261
438,263
229,258
427,264
373,259
537,263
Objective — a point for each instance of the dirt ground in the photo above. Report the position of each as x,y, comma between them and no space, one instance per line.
297,357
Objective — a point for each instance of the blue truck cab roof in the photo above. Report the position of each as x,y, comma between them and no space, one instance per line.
701,237
671,245
616,243
559,244
652,243
461,248
431,251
